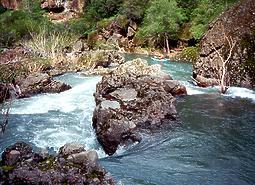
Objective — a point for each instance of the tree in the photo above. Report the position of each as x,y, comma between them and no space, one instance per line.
162,21
203,12
99,9
225,59
134,9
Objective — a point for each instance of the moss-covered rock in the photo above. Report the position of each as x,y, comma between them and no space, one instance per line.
189,54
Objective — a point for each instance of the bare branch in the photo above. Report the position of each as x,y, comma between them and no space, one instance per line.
231,44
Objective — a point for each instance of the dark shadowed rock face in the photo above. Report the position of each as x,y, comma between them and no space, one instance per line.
237,23
20,165
128,103
4,92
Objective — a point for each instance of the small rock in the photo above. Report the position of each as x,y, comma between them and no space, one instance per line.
175,87
78,46
13,157
131,32
125,94
24,150
110,104
71,148
83,157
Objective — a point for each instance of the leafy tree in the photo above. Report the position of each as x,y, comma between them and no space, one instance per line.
134,9
162,21
205,12
98,9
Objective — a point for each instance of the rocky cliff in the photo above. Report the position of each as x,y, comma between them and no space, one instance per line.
11,4
51,5
237,23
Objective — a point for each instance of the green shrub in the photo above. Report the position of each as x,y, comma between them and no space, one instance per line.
81,26
15,25
104,23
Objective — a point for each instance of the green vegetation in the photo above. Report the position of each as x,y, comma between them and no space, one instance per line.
204,12
50,44
159,21
99,9
15,25
189,54
134,9
8,168
162,21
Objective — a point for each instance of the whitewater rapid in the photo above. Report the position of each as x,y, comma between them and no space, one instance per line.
52,120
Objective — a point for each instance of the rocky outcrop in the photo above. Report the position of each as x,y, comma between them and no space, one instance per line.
115,33
237,23
103,62
137,67
132,99
72,165
11,4
63,5
40,83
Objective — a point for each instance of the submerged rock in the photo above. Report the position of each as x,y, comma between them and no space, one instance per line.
22,166
131,99
71,148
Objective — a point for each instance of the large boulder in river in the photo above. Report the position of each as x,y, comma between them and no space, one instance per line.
20,165
238,24
130,101
40,83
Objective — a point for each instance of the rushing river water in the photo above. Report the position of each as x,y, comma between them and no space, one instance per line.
213,145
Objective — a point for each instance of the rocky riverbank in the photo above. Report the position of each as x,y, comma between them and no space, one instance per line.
71,165
235,26
34,74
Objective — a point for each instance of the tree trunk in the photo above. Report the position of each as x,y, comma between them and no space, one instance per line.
222,83
167,47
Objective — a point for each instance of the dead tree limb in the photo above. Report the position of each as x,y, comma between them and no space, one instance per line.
231,44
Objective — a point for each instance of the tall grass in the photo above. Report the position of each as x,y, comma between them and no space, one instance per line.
49,44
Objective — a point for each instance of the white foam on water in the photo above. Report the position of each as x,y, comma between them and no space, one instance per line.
240,92
67,101
72,123
193,90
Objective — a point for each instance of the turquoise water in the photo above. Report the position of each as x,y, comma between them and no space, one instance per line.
214,144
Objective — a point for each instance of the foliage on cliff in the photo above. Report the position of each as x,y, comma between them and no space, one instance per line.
156,18
162,20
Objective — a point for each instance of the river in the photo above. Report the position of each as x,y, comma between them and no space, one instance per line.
214,144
